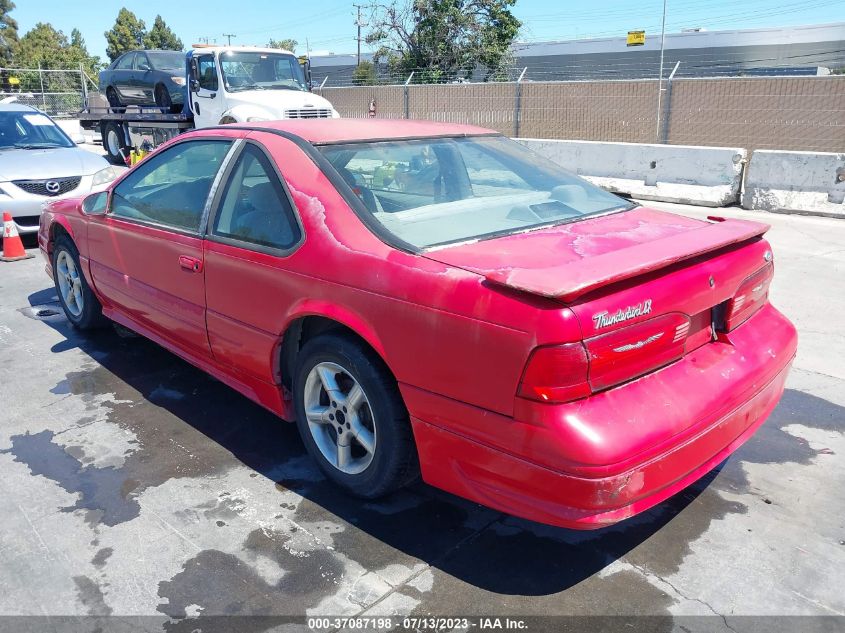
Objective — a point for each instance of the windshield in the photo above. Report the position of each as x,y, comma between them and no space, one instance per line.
28,129
261,71
166,60
437,191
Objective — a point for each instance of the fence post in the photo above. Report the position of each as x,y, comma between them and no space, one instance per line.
517,106
667,106
323,83
405,95
41,81
84,82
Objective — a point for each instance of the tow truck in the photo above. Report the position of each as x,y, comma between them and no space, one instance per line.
225,84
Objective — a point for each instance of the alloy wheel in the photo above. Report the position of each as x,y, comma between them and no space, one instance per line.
340,418
70,283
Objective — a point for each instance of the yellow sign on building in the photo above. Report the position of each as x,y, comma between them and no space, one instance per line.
636,38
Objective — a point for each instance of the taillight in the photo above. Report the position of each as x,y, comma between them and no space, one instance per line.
750,297
557,373
637,349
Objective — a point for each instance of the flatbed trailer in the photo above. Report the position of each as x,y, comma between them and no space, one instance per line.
123,129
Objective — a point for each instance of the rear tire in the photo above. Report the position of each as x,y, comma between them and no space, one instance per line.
114,142
362,411
81,306
113,99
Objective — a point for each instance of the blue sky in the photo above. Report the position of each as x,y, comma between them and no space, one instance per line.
328,24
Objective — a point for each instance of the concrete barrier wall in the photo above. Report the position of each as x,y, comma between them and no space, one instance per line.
706,176
803,182
71,127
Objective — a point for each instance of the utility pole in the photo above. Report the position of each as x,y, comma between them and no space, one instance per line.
359,23
660,81
229,36
203,39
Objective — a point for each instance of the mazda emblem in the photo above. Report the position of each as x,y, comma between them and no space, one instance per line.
52,186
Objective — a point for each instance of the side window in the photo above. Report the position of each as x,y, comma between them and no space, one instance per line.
170,188
207,71
125,62
142,62
254,206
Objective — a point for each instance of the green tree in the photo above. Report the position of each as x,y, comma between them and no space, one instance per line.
286,44
127,34
162,37
444,40
365,74
45,47
78,53
8,32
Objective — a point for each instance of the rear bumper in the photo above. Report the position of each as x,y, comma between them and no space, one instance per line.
514,479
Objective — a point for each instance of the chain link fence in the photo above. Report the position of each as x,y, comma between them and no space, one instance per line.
59,93
791,113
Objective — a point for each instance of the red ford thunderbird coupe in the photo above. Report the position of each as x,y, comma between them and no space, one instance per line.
437,301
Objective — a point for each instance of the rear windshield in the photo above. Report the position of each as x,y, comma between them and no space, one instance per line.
437,191
166,61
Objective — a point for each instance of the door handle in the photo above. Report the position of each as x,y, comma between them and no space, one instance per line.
191,264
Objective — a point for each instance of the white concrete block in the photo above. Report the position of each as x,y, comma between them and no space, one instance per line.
72,128
802,182
706,176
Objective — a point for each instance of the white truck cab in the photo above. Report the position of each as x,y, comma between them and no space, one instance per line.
239,84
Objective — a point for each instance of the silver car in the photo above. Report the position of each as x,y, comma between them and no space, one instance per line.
39,162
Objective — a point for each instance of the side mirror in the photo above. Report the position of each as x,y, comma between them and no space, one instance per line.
96,203
144,67
195,85
306,71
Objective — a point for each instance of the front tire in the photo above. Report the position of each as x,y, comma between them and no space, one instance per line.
81,306
351,417
163,100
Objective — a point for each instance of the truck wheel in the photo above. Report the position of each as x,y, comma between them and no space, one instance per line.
351,417
80,304
114,142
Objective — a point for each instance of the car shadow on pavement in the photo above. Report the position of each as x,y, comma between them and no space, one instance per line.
158,397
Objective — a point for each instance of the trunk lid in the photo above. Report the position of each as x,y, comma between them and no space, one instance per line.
646,286
568,261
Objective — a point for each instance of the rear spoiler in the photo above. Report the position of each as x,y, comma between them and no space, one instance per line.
568,282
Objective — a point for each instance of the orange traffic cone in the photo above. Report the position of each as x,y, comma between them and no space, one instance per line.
12,245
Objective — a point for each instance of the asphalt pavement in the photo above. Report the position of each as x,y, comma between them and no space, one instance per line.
132,484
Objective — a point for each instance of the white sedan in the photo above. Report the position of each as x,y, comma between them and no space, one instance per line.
39,162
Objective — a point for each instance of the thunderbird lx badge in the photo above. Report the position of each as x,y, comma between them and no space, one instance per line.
605,319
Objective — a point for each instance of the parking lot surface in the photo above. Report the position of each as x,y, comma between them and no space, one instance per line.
132,484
